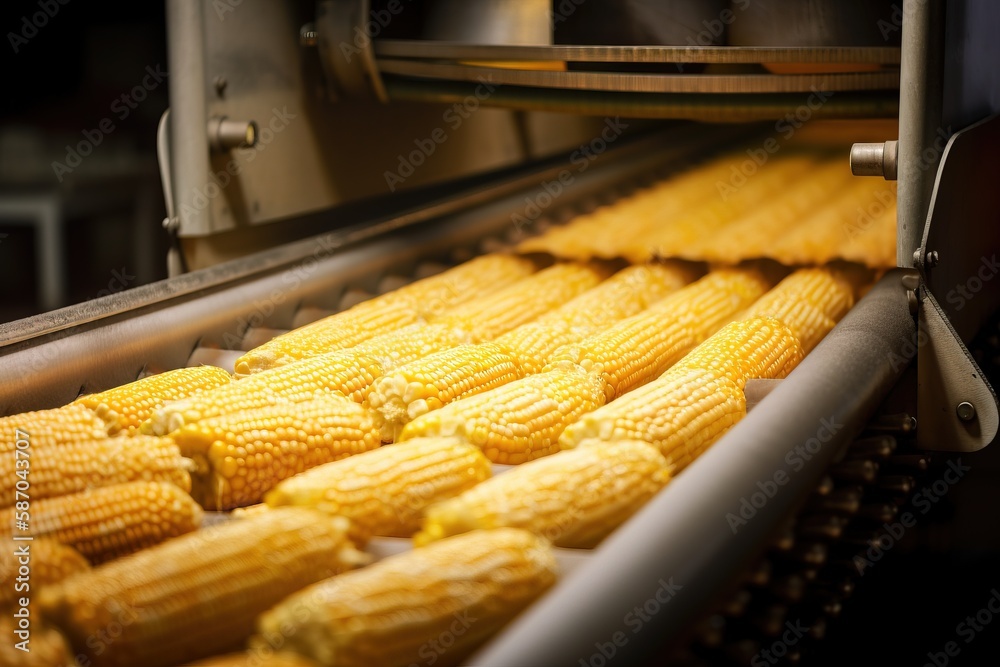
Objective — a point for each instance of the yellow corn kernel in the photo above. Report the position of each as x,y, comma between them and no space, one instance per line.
199,594
427,384
408,305
50,562
69,468
809,301
525,300
681,413
348,372
622,295
240,456
383,614
639,348
681,236
573,499
111,521
126,407
383,492
72,424
759,348
694,403
519,421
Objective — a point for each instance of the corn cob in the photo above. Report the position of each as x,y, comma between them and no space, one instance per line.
640,348
111,521
694,403
605,231
519,421
622,295
240,456
429,383
69,468
265,658
49,562
45,646
573,499
347,372
711,218
388,614
199,594
408,305
126,407
384,492
525,300
809,302
751,231
60,426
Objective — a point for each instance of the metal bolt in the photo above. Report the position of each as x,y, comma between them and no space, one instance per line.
932,259
966,411
308,36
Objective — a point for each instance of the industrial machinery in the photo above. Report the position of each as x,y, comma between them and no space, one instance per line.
316,153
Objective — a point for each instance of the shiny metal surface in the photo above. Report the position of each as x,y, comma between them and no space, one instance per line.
679,551
710,108
646,83
48,360
399,48
875,159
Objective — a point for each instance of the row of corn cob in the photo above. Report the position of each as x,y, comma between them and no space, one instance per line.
803,209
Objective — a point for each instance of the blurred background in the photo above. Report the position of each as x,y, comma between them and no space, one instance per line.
76,82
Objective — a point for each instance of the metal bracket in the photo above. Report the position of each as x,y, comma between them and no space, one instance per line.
957,260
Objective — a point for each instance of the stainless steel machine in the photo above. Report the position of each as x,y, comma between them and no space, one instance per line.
318,152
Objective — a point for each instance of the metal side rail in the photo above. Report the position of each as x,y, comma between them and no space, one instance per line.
664,567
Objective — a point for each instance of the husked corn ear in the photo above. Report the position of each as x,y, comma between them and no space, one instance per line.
255,659
525,300
199,594
64,469
50,562
47,647
622,295
639,348
336,332
126,407
519,421
427,384
681,413
694,403
240,456
111,521
573,499
348,372
384,492
408,305
383,614
758,348
60,426
809,301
